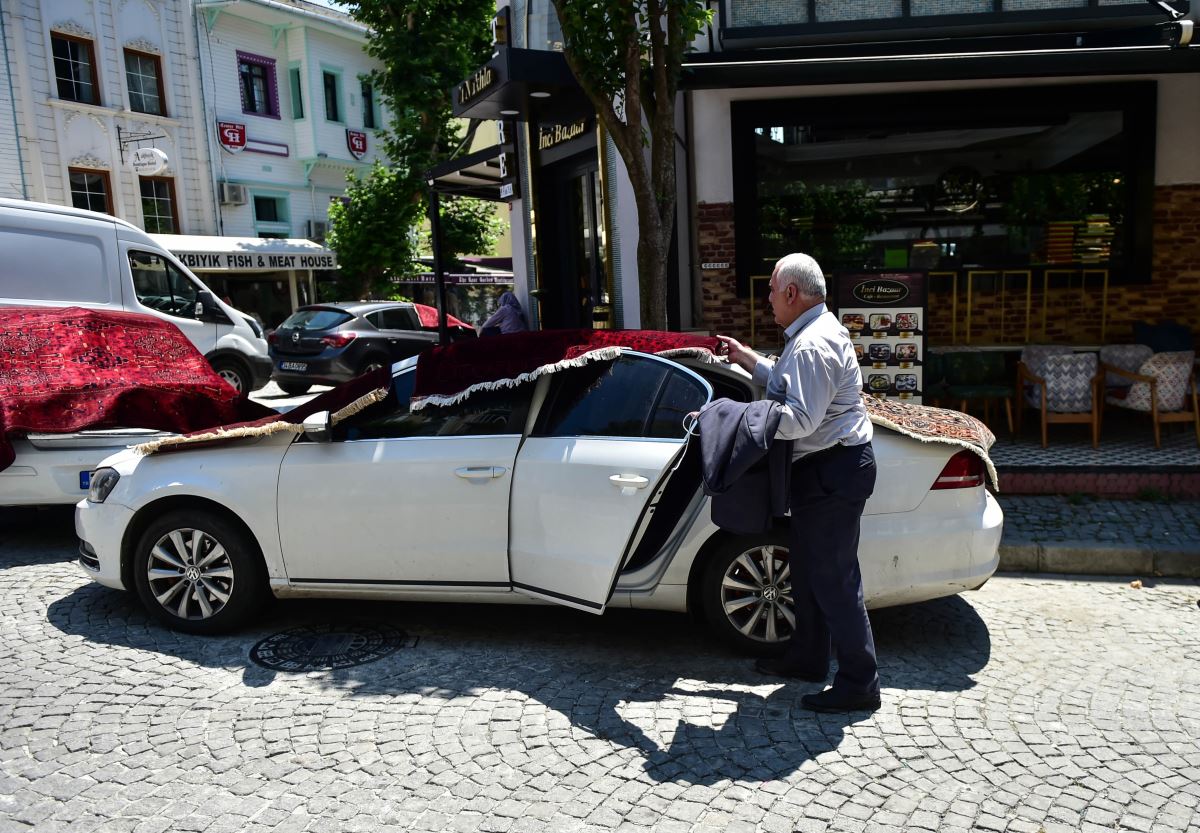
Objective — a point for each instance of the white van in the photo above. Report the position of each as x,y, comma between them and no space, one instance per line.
54,256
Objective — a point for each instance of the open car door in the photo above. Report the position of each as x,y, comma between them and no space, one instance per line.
605,438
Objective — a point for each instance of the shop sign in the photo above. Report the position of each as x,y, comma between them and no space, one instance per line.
356,141
880,291
471,89
458,280
148,161
233,261
556,134
232,136
501,27
509,182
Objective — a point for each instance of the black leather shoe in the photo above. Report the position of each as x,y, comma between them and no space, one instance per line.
833,702
782,667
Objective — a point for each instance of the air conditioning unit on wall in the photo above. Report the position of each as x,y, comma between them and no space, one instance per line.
316,229
232,194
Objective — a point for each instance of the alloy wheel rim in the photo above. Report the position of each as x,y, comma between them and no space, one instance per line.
234,380
190,574
756,594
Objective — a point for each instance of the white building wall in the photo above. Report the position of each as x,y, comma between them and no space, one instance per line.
12,178
301,160
57,134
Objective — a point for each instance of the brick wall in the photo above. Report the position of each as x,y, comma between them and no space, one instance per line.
998,307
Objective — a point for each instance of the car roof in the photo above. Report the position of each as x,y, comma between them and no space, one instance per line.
358,307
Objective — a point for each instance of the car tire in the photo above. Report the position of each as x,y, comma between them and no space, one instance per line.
185,542
372,363
235,375
294,388
746,608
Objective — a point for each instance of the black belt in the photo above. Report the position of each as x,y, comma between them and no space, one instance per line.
814,456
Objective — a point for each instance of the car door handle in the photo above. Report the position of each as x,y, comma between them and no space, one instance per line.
480,472
628,482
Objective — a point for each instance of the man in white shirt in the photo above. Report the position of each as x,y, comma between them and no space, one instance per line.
818,381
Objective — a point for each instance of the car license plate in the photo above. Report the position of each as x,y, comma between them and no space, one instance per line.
298,367
85,480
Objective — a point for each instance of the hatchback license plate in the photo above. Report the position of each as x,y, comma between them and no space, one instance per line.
298,367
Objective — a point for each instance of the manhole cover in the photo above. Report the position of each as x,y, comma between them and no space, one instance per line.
327,647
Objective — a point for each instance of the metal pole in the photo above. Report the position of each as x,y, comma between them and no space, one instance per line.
438,276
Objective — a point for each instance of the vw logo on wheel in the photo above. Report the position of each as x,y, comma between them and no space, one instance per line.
770,593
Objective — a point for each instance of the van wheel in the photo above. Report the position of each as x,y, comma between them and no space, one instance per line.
234,374
197,572
746,592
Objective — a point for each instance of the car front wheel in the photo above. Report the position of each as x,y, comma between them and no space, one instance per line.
746,591
234,374
197,572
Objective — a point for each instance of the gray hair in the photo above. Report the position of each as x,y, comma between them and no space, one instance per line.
803,272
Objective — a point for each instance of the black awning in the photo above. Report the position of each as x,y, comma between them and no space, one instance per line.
534,85
765,68
474,175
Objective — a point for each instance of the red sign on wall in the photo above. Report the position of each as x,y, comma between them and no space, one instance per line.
356,140
232,136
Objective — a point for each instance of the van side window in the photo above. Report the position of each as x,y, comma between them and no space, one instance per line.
160,285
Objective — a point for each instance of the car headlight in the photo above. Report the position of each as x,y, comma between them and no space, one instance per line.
103,482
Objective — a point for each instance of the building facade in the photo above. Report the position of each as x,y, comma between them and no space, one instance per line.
84,85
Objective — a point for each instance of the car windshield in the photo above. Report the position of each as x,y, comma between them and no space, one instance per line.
315,319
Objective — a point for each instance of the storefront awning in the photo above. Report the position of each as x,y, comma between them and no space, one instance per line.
246,254
474,175
533,85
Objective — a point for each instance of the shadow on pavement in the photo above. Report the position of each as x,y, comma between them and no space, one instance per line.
37,535
619,677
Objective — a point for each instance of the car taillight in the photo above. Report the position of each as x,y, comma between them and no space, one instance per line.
962,471
337,339
271,337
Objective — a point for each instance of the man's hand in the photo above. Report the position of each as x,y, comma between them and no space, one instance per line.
738,353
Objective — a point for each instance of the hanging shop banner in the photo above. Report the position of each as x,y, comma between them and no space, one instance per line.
232,136
510,183
470,279
356,141
885,314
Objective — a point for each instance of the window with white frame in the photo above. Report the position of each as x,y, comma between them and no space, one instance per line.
75,68
331,82
158,204
143,75
90,190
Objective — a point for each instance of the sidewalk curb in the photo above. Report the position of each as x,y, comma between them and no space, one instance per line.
1099,559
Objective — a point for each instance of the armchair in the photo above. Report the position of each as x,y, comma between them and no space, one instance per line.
1064,386
1163,387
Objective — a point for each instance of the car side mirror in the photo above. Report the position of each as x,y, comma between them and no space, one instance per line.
317,427
206,306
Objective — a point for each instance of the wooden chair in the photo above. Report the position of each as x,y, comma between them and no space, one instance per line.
1163,386
1068,388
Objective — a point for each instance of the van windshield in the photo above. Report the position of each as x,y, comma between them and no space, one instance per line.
161,286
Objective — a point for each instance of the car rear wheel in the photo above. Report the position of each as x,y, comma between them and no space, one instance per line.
294,388
197,572
370,364
234,374
746,592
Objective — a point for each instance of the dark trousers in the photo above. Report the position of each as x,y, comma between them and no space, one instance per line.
829,490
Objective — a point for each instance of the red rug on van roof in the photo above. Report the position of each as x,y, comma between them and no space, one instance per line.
68,369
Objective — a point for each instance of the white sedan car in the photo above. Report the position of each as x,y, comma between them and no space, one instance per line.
579,488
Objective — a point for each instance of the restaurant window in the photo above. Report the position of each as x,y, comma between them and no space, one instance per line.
75,69
370,119
997,179
271,217
143,75
331,81
90,190
158,205
297,93
257,77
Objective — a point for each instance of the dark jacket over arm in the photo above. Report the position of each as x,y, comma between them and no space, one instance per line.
745,469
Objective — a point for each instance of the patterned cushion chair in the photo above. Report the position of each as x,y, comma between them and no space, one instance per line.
1164,387
1127,357
1067,387
979,376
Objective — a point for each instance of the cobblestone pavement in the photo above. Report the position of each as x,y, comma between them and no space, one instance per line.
1035,704
1047,519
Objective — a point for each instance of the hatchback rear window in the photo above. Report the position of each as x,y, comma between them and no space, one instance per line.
315,319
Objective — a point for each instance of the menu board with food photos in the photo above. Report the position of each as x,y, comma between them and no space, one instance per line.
884,312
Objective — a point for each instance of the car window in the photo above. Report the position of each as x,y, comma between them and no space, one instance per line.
484,413
315,319
629,397
161,286
390,319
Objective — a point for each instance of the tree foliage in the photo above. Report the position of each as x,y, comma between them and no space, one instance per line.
627,56
426,47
